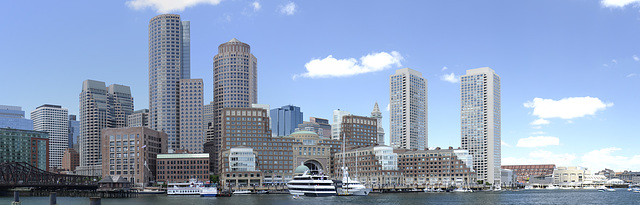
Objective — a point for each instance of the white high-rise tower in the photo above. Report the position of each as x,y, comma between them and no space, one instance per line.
408,109
55,120
480,118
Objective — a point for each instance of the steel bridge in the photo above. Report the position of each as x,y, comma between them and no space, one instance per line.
21,174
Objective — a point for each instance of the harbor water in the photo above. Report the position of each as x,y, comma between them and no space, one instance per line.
621,196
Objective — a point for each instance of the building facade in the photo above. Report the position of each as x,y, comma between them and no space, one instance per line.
336,125
208,115
169,62
191,115
54,120
27,146
570,175
408,109
359,131
436,166
372,165
131,152
182,167
100,107
139,118
285,120
318,125
70,159
239,167
13,117
480,121
376,114
525,172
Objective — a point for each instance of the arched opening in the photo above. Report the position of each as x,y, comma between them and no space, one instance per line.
313,165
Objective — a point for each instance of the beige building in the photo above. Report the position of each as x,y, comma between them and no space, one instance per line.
70,159
569,175
100,107
132,152
436,166
191,115
372,165
239,167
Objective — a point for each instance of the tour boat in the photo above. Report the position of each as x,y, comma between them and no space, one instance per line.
311,183
208,191
190,188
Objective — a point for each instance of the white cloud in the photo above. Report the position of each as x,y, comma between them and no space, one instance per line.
540,122
256,6
388,107
605,65
538,133
452,78
604,158
167,6
614,61
618,3
635,58
444,68
504,144
332,67
539,141
566,108
631,75
288,9
542,157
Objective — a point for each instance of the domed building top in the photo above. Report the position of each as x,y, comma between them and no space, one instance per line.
234,40
304,132
301,169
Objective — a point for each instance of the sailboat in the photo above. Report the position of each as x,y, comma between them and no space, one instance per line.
351,187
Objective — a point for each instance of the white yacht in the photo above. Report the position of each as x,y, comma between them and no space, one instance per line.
311,183
552,187
351,187
463,190
189,188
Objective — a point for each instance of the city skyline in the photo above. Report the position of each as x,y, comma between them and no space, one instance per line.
565,66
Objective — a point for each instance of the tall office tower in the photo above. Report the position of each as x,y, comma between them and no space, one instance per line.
100,107
378,116
480,119
74,131
359,131
13,117
208,115
139,118
235,80
285,120
54,120
408,102
169,56
336,125
191,115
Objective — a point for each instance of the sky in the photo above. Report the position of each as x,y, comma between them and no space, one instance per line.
569,68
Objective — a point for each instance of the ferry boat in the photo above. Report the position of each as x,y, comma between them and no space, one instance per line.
192,187
311,183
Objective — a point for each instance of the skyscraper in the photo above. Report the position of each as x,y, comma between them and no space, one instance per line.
235,85
378,116
480,119
285,120
191,115
74,131
13,117
54,120
336,125
169,56
235,80
100,107
408,109
208,114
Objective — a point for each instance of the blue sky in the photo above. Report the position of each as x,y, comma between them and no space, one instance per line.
569,68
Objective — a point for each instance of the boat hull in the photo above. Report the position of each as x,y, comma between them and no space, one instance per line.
315,194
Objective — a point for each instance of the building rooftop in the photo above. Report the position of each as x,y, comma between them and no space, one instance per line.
182,156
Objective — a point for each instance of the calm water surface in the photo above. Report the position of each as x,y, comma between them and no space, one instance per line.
621,196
